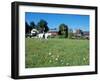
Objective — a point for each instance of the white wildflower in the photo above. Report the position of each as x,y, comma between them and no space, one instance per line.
61,60
50,61
49,53
56,59
84,59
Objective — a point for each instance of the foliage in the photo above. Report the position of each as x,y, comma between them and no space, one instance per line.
29,27
42,26
78,31
70,33
63,30
32,25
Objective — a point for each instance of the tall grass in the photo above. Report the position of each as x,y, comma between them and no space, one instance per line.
56,52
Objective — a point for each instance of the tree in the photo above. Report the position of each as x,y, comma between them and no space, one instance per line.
79,32
70,33
32,25
29,27
42,26
63,30
27,30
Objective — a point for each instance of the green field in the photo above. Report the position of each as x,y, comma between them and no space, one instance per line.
56,52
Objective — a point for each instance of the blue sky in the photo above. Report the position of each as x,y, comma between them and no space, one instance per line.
54,20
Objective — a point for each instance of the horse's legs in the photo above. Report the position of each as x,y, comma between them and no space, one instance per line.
46,36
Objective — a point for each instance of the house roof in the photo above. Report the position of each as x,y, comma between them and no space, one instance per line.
53,30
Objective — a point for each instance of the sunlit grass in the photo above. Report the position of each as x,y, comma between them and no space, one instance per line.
56,52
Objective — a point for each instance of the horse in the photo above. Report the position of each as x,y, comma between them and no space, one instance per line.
40,35
44,35
47,35
34,32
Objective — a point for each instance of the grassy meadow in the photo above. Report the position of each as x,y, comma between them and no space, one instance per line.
56,52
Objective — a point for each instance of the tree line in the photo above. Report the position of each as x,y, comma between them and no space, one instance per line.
42,26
